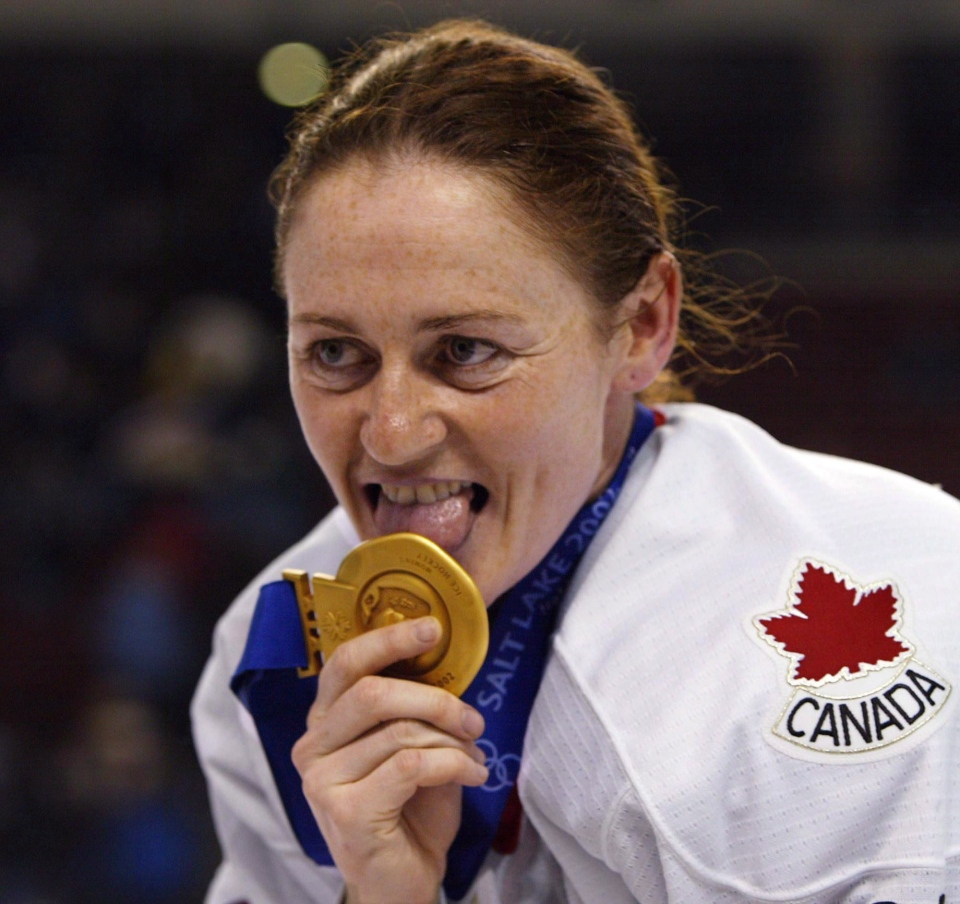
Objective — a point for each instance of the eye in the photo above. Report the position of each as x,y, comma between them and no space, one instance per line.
471,363
337,353
339,364
331,352
464,351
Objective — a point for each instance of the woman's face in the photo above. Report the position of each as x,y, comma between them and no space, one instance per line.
448,373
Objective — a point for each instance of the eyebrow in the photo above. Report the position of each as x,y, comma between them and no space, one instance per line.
453,321
334,323
446,322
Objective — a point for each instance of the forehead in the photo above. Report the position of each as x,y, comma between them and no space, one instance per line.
403,202
404,225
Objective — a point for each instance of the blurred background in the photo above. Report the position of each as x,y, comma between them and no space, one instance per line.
151,461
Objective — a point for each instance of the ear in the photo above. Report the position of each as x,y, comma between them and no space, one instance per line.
650,313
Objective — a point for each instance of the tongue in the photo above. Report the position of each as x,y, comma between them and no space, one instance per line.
447,522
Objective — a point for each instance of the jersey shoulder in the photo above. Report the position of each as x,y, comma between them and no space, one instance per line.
661,635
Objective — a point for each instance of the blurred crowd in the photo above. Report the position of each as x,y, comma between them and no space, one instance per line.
151,460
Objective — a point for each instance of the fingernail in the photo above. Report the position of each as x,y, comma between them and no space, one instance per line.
479,756
428,629
473,723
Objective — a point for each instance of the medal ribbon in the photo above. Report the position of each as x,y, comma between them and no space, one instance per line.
504,690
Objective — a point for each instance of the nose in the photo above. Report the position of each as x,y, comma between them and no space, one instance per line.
402,424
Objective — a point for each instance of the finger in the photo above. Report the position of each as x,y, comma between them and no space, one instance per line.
399,778
372,652
374,700
383,793
356,761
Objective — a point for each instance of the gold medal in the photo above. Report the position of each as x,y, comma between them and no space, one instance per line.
388,580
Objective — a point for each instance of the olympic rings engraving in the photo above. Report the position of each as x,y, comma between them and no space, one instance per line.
503,769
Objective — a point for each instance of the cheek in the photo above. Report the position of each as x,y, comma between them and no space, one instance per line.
563,410
305,412
324,443
551,443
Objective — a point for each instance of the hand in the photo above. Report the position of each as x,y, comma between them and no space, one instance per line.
382,763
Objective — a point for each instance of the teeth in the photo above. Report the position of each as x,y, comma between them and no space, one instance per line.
426,494
423,494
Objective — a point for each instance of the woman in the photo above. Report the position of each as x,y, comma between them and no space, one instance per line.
749,650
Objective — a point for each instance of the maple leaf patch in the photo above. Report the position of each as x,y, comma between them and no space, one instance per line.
835,628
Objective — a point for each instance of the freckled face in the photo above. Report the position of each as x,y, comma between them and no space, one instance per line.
447,372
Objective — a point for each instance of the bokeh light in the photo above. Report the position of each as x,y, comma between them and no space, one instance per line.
293,74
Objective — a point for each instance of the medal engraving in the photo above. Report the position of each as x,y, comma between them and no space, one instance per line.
388,580
335,626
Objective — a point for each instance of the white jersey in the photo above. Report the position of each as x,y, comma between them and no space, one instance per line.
751,695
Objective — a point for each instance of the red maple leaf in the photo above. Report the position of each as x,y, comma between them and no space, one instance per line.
828,629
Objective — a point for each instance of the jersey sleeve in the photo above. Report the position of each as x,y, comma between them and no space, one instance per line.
262,861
